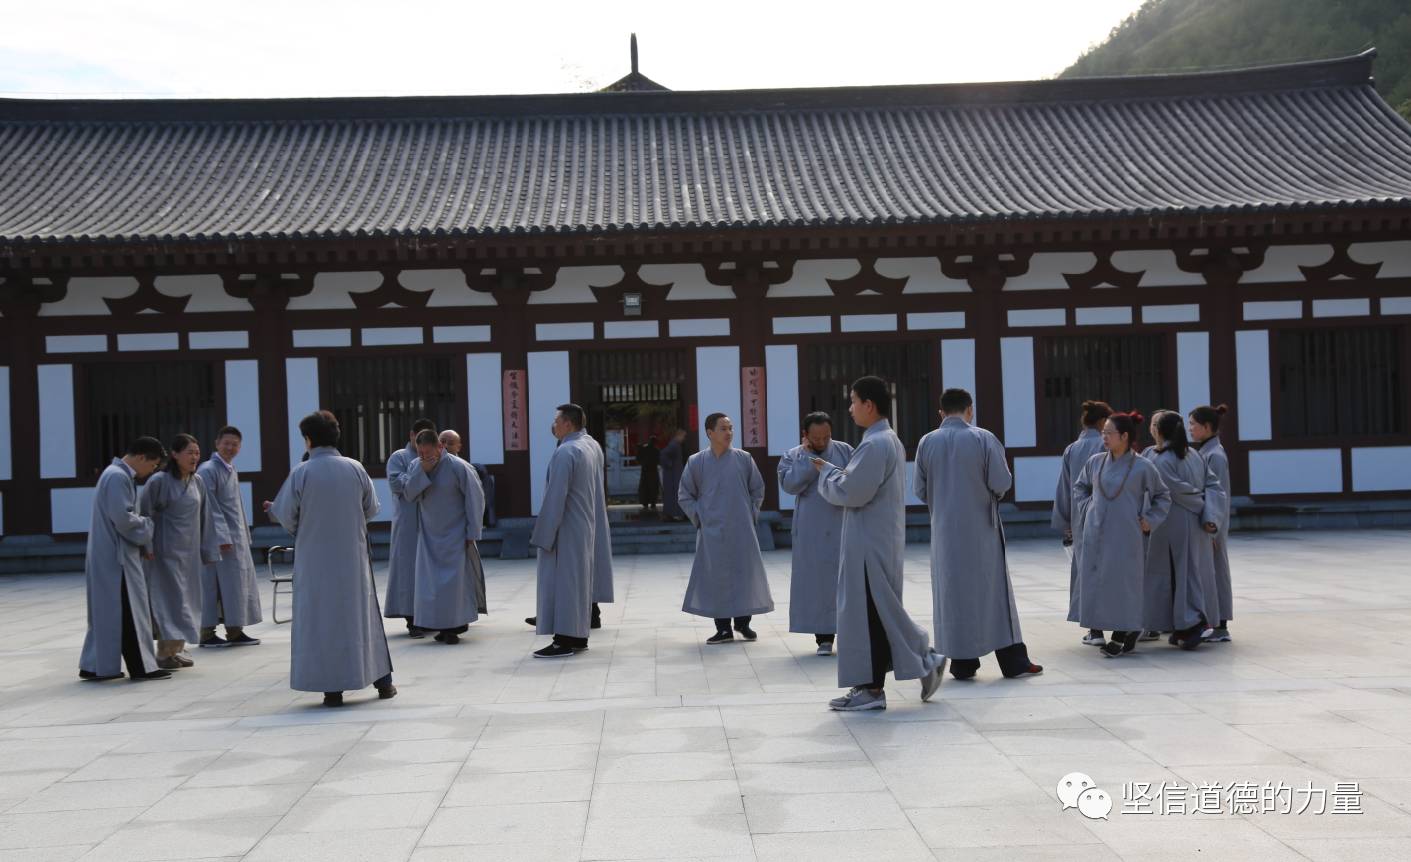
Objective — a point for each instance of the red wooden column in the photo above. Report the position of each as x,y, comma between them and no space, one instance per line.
26,504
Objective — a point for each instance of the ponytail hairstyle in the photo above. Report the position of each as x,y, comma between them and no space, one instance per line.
1129,424
178,444
1095,413
1207,415
1173,432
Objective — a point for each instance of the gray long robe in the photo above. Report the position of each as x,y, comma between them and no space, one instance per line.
602,535
337,642
961,475
673,461
1088,444
230,588
722,497
872,492
1219,462
112,563
566,534
817,532
1108,540
401,554
183,541
450,508
1180,559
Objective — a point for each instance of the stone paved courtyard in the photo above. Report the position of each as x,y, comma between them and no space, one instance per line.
653,746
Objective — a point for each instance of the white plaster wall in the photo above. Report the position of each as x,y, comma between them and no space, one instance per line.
958,368
385,502
71,509
85,296
699,327
1159,266
781,405
718,386
1395,256
57,457
572,285
802,325
1017,370
242,409
1252,377
631,329
484,384
1282,262
1295,471
1381,468
688,282
923,275
1192,370
301,398
548,387
447,286
1036,478
810,278
331,290
207,293
221,340
1046,270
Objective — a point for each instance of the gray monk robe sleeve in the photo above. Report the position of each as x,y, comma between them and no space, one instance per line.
689,494
854,487
796,473
551,511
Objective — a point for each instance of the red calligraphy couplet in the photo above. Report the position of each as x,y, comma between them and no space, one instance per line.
752,434
516,422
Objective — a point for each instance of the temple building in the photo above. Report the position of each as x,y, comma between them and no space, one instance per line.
1155,241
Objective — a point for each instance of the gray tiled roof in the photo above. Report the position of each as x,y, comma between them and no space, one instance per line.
1305,136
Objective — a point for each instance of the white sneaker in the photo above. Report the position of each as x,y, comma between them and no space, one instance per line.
825,648
1092,640
1218,636
858,699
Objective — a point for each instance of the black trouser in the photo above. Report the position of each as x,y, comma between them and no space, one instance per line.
1013,661
571,641
722,624
458,630
823,639
131,650
876,639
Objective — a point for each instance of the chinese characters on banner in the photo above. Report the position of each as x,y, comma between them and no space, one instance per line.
752,403
515,419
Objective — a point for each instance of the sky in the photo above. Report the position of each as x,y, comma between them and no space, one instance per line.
264,49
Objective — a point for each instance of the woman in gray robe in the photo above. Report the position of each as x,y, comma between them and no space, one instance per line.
673,461
721,493
337,643
1118,499
817,531
183,540
400,598
877,634
1180,565
119,612
961,475
1088,444
1204,426
450,508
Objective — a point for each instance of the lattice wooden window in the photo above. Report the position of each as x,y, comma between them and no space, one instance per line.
376,400
1126,371
830,370
127,400
1339,382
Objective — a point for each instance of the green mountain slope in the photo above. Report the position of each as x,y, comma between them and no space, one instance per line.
1178,35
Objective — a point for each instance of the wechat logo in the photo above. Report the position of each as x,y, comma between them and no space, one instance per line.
1076,790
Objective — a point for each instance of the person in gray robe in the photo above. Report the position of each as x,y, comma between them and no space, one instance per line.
183,540
450,508
602,543
400,599
876,633
337,643
673,461
230,588
1204,426
1180,590
961,475
721,493
119,612
1118,499
1088,444
566,536
817,531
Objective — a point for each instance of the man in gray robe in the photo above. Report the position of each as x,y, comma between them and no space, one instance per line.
817,530
721,493
401,555
230,589
1203,423
877,633
337,642
452,443
961,475
566,535
449,512
673,461
119,616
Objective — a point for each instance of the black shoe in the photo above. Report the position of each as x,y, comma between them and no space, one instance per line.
385,692
746,632
1129,642
597,621
242,639
1111,649
448,638
720,638
151,675
90,676
1031,670
961,675
416,632
215,642
531,621
555,651
333,698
